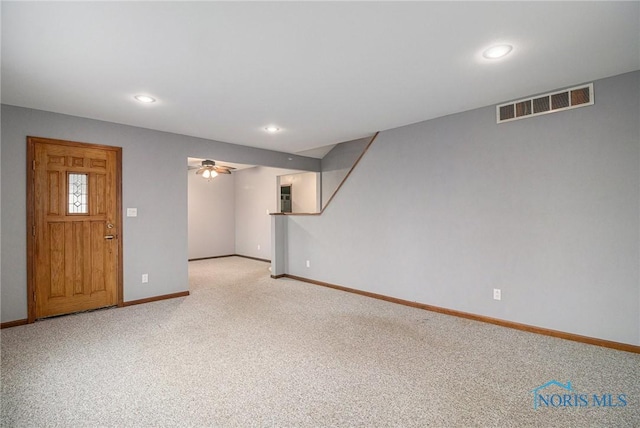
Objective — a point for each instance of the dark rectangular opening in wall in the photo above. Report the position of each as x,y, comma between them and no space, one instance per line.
285,198
580,96
560,100
541,105
507,112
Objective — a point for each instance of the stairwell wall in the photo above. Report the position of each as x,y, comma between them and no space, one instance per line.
547,209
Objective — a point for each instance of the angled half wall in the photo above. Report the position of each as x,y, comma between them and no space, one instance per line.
445,211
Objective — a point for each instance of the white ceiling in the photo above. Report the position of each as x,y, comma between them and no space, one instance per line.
324,72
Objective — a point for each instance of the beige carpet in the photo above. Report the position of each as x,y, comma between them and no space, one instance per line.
245,350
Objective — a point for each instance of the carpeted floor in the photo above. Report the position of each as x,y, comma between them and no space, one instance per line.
245,350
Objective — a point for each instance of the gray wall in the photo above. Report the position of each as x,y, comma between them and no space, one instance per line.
154,181
336,164
545,208
256,193
211,215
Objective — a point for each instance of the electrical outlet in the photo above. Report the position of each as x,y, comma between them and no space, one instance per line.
497,294
308,263
145,278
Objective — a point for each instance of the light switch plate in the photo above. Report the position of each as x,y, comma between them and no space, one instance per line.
132,212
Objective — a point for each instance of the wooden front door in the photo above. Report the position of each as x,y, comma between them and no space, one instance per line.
74,227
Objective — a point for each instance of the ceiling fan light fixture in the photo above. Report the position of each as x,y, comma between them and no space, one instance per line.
209,169
209,173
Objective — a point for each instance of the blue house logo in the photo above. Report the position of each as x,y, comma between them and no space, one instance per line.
537,396
570,398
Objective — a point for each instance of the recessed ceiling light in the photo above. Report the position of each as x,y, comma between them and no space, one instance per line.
272,129
497,51
145,99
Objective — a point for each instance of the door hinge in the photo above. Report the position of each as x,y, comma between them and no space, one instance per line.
33,165
33,230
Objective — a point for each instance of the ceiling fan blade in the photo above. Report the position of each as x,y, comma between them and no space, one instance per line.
201,170
222,170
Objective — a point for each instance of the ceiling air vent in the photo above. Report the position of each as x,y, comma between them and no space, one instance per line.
580,96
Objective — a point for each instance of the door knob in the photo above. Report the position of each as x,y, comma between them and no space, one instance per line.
109,236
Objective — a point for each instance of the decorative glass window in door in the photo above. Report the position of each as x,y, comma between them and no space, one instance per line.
78,197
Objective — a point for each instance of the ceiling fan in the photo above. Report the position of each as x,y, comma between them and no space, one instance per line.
209,169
